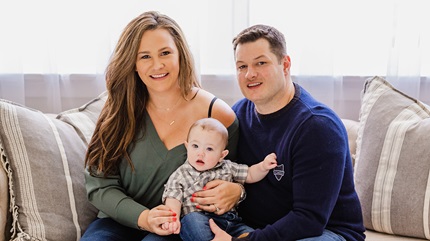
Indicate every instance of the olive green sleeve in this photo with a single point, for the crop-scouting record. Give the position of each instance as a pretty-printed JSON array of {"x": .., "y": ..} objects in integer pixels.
[{"x": 108, "y": 196}]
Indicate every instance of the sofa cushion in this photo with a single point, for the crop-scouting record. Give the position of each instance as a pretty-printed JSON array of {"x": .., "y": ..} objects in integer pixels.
[
  {"x": 44, "y": 160},
  {"x": 393, "y": 161},
  {"x": 377, "y": 236}
]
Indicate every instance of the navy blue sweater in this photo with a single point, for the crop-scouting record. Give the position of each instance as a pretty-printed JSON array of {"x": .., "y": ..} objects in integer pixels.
[{"x": 312, "y": 187}]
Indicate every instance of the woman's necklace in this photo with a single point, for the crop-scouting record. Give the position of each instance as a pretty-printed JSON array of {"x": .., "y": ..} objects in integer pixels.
[{"x": 169, "y": 109}]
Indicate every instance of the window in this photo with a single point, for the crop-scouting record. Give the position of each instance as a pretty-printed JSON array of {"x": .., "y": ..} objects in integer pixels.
[{"x": 333, "y": 37}]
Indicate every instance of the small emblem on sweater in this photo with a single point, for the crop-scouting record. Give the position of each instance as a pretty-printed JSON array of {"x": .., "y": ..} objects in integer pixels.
[{"x": 279, "y": 172}]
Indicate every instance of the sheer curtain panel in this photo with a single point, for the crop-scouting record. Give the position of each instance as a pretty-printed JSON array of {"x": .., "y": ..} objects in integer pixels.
[{"x": 51, "y": 50}]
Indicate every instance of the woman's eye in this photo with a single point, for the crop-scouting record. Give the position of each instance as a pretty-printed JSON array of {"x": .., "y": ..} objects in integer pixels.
[
  {"x": 165, "y": 53},
  {"x": 145, "y": 57}
]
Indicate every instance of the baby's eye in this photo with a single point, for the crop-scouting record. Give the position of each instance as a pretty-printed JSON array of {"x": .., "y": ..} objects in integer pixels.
[
  {"x": 209, "y": 149},
  {"x": 195, "y": 146}
]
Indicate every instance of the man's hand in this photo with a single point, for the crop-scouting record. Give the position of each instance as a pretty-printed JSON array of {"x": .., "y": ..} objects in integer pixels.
[{"x": 220, "y": 235}]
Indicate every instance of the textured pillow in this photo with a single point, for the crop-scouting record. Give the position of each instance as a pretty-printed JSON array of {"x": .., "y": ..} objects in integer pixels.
[
  {"x": 84, "y": 118},
  {"x": 393, "y": 161},
  {"x": 44, "y": 160}
]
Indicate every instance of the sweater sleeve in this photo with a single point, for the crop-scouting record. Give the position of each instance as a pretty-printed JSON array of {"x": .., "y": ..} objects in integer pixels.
[{"x": 107, "y": 195}]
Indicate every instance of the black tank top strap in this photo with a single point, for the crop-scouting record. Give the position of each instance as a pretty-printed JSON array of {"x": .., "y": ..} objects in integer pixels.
[{"x": 210, "y": 106}]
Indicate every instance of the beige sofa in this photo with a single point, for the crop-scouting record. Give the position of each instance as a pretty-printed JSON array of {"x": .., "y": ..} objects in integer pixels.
[{"x": 42, "y": 194}]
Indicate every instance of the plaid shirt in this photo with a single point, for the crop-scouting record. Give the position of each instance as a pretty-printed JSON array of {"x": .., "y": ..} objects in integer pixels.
[{"x": 186, "y": 180}]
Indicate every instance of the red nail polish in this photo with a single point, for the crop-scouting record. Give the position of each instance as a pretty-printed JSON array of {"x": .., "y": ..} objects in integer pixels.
[
  {"x": 198, "y": 206},
  {"x": 174, "y": 219},
  {"x": 174, "y": 214},
  {"x": 193, "y": 195},
  {"x": 192, "y": 199},
  {"x": 204, "y": 188}
]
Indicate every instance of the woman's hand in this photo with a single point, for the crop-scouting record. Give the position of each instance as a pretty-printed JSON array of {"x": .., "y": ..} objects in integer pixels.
[
  {"x": 217, "y": 197},
  {"x": 153, "y": 219}
]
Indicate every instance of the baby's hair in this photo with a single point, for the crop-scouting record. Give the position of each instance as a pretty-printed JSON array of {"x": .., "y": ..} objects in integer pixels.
[{"x": 211, "y": 124}]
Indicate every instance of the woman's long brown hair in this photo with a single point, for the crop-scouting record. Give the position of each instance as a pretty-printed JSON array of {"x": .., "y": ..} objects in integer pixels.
[{"x": 122, "y": 117}]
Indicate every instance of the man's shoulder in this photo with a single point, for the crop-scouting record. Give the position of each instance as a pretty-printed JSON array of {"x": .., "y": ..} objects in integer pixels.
[{"x": 241, "y": 105}]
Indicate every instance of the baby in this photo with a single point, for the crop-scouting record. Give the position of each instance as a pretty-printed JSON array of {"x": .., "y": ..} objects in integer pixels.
[{"x": 206, "y": 150}]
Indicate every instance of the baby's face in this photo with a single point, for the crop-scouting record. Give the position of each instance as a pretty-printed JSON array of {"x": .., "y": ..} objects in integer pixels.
[{"x": 204, "y": 149}]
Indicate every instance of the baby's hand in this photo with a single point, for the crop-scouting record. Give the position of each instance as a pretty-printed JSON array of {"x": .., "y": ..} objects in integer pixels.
[
  {"x": 173, "y": 227},
  {"x": 270, "y": 161}
]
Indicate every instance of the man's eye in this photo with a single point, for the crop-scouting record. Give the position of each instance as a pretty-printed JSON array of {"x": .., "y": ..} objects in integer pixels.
[
  {"x": 261, "y": 63},
  {"x": 241, "y": 67}
]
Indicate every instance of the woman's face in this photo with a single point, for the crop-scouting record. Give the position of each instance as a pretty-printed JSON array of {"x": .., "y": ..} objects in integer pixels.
[{"x": 157, "y": 61}]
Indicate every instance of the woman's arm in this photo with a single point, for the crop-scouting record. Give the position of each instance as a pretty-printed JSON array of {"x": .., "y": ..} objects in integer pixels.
[{"x": 109, "y": 197}]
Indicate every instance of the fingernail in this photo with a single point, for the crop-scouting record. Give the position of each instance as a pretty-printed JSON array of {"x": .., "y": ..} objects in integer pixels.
[
  {"x": 204, "y": 188},
  {"x": 174, "y": 219},
  {"x": 192, "y": 199},
  {"x": 198, "y": 206},
  {"x": 193, "y": 195},
  {"x": 174, "y": 214}
]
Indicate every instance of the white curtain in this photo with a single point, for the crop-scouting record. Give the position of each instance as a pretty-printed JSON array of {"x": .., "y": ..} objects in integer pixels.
[{"x": 53, "y": 53}]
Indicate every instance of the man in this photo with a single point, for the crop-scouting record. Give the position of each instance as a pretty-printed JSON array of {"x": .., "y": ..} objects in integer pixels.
[{"x": 310, "y": 195}]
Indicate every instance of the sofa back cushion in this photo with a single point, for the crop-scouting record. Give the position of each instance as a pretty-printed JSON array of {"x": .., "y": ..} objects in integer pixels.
[
  {"x": 393, "y": 161},
  {"x": 44, "y": 160}
]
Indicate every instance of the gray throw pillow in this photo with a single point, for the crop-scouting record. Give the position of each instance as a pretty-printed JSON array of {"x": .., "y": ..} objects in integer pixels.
[
  {"x": 393, "y": 161},
  {"x": 44, "y": 160}
]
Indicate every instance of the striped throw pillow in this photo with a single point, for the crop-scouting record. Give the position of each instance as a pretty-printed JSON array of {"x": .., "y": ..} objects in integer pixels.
[
  {"x": 392, "y": 171},
  {"x": 84, "y": 118},
  {"x": 43, "y": 158}
]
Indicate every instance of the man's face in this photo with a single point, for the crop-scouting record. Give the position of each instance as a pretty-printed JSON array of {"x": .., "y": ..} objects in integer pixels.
[{"x": 262, "y": 77}]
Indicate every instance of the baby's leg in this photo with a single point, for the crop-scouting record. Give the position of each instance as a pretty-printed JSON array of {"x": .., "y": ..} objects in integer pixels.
[{"x": 195, "y": 226}]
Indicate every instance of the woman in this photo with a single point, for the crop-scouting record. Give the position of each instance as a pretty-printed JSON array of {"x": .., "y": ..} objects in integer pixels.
[{"x": 154, "y": 97}]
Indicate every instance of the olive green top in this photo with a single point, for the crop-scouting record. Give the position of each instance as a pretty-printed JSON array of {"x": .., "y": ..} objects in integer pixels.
[{"x": 123, "y": 197}]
